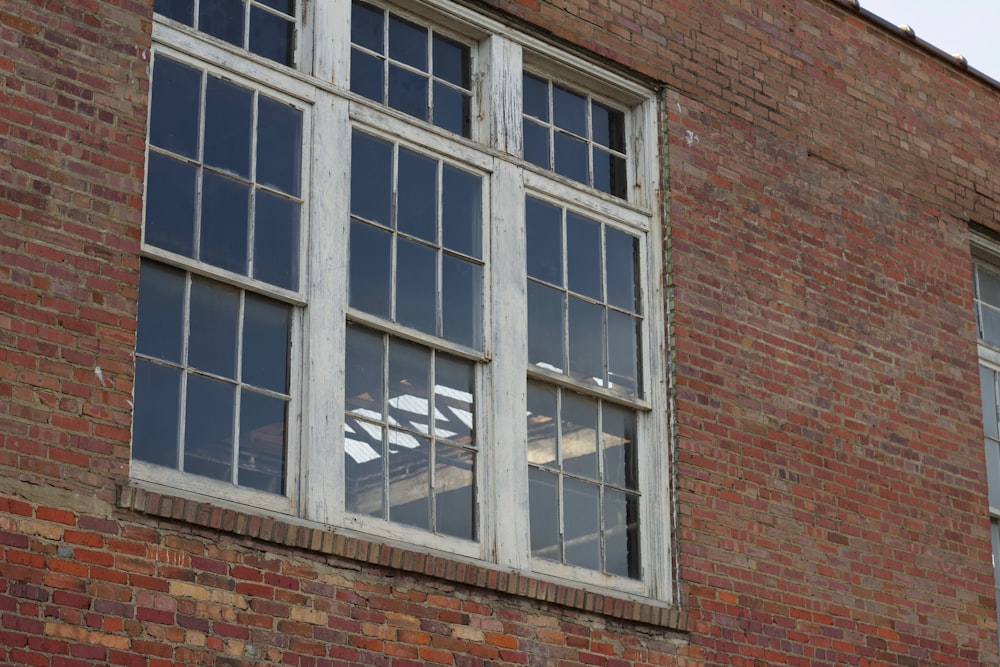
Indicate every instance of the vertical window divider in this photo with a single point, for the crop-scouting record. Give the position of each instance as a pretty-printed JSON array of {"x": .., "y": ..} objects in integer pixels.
[{"x": 238, "y": 389}]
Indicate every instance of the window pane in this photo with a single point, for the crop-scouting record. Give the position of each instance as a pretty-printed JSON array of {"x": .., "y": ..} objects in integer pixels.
[
  {"x": 416, "y": 295},
  {"x": 214, "y": 324},
  {"x": 988, "y": 286},
  {"x": 461, "y": 301},
  {"x": 371, "y": 179},
  {"x": 276, "y": 240},
  {"x": 366, "y": 75},
  {"x": 578, "y": 444},
  {"x": 543, "y": 502},
  {"x": 462, "y": 216},
  {"x": 409, "y": 381},
  {"x": 608, "y": 127},
  {"x": 228, "y": 118},
  {"x": 225, "y": 212},
  {"x": 618, "y": 441},
  {"x": 571, "y": 157},
  {"x": 157, "y": 413},
  {"x": 545, "y": 327},
  {"x": 582, "y": 523},
  {"x": 417, "y": 195},
  {"x": 536, "y": 97},
  {"x": 279, "y": 146},
  {"x": 370, "y": 271},
  {"x": 536, "y": 144},
  {"x": 272, "y": 36},
  {"x": 454, "y": 498},
  {"x": 541, "y": 425},
  {"x": 408, "y": 92},
  {"x": 161, "y": 312},
  {"x": 407, "y": 43},
  {"x": 451, "y": 109},
  {"x": 622, "y": 252},
  {"x": 409, "y": 479},
  {"x": 222, "y": 19},
  {"x": 178, "y": 10},
  {"x": 363, "y": 473},
  {"x": 286, "y": 6},
  {"x": 586, "y": 340},
  {"x": 609, "y": 174},
  {"x": 621, "y": 533},
  {"x": 170, "y": 204},
  {"x": 364, "y": 373},
  {"x": 451, "y": 61},
  {"x": 991, "y": 325},
  {"x": 266, "y": 330},
  {"x": 583, "y": 256},
  {"x": 454, "y": 409},
  {"x": 544, "y": 241},
  {"x": 263, "y": 433},
  {"x": 623, "y": 353},
  {"x": 987, "y": 383},
  {"x": 366, "y": 26},
  {"x": 174, "y": 107},
  {"x": 993, "y": 471},
  {"x": 208, "y": 429},
  {"x": 569, "y": 111}
]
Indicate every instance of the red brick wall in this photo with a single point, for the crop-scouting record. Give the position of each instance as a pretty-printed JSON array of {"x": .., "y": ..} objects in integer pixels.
[{"x": 831, "y": 497}]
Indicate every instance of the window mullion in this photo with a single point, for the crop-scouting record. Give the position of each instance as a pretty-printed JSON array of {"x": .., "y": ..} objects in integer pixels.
[
  {"x": 331, "y": 41},
  {"x": 499, "y": 98}
]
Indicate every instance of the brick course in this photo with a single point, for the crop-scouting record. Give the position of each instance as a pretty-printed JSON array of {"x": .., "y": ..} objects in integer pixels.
[{"x": 821, "y": 175}]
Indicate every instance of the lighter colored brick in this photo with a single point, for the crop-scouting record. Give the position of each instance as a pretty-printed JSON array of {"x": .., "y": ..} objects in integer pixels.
[
  {"x": 187, "y": 590},
  {"x": 307, "y": 615}
]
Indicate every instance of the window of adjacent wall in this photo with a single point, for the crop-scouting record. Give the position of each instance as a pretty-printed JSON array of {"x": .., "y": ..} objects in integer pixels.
[{"x": 376, "y": 296}]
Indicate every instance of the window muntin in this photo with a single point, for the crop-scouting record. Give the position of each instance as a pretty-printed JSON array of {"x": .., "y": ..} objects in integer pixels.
[
  {"x": 410, "y": 68},
  {"x": 264, "y": 27},
  {"x": 574, "y": 135}
]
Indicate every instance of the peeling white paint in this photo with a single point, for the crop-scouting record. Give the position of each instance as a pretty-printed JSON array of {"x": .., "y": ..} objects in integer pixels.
[
  {"x": 100, "y": 376},
  {"x": 691, "y": 138}
]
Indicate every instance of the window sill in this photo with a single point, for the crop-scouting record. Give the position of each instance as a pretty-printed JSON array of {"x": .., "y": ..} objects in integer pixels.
[{"x": 327, "y": 541}]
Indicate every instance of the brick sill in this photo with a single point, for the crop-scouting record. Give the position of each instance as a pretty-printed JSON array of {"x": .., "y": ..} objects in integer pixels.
[{"x": 326, "y": 541}]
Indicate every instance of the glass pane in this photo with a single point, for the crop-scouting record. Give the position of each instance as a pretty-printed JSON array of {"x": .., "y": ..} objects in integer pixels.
[
  {"x": 160, "y": 325},
  {"x": 451, "y": 109},
  {"x": 409, "y": 480},
  {"x": 228, "y": 118},
  {"x": 370, "y": 271},
  {"x": 578, "y": 444},
  {"x": 991, "y": 325},
  {"x": 364, "y": 373},
  {"x": 178, "y": 10},
  {"x": 416, "y": 286},
  {"x": 541, "y": 425},
  {"x": 225, "y": 213},
  {"x": 461, "y": 301},
  {"x": 408, "y": 92},
  {"x": 608, "y": 127},
  {"x": 582, "y": 523},
  {"x": 407, "y": 43},
  {"x": 276, "y": 240},
  {"x": 286, "y": 6},
  {"x": 987, "y": 384},
  {"x": 618, "y": 441},
  {"x": 544, "y": 232},
  {"x": 988, "y": 286},
  {"x": 366, "y": 75},
  {"x": 174, "y": 107},
  {"x": 279, "y": 146},
  {"x": 367, "y": 27},
  {"x": 543, "y": 504},
  {"x": 536, "y": 144},
  {"x": 536, "y": 97},
  {"x": 222, "y": 19},
  {"x": 170, "y": 204},
  {"x": 623, "y": 353},
  {"x": 586, "y": 341},
  {"x": 621, "y": 533},
  {"x": 272, "y": 36},
  {"x": 571, "y": 157},
  {"x": 416, "y": 212},
  {"x": 214, "y": 323},
  {"x": 583, "y": 256},
  {"x": 157, "y": 413},
  {"x": 371, "y": 179},
  {"x": 266, "y": 325},
  {"x": 208, "y": 429},
  {"x": 363, "y": 473},
  {"x": 545, "y": 327},
  {"x": 454, "y": 390},
  {"x": 995, "y": 534},
  {"x": 263, "y": 433},
  {"x": 451, "y": 61},
  {"x": 454, "y": 499},
  {"x": 622, "y": 252},
  {"x": 409, "y": 381},
  {"x": 609, "y": 174},
  {"x": 569, "y": 111},
  {"x": 993, "y": 471},
  {"x": 461, "y": 215}
]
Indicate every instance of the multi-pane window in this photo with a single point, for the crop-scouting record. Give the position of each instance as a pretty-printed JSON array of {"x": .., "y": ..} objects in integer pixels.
[{"x": 349, "y": 315}]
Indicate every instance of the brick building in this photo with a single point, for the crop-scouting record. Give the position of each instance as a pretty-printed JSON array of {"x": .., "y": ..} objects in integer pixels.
[{"x": 706, "y": 289}]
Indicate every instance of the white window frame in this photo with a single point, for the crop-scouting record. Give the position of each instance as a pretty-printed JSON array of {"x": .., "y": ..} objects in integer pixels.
[{"x": 315, "y": 462}]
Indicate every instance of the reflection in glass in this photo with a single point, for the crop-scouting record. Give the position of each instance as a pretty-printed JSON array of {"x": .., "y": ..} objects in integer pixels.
[
  {"x": 407, "y": 92},
  {"x": 416, "y": 286},
  {"x": 371, "y": 182},
  {"x": 543, "y": 504},
  {"x": 545, "y": 327},
  {"x": 272, "y": 36},
  {"x": 408, "y": 382},
  {"x": 544, "y": 241},
  {"x": 266, "y": 329},
  {"x": 225, "y": 212},
  {"x": 228, "y": 119},
  {"x": 461, "y": 217},
  {"x": 363, "y": 473},
  {"x": 461, "y": 301},
  {"x": 454, "y": 391},
  {"x": 263, "y": 433},
  {"x": 208, "y": 428},
  {"x": 409, "y": 480},
  {"x": 214, "y": 323},
  {"x": 279, "y": 146},
  {"x": 454, "y": 498},
  {"x": 173, "y": 119},
  {"x": 417, "y": 195},
  {"x": 582, "y": 523},
  {"x": 541, "y": 425},
  {"x": 370, "y": 271},
  {"x": 578, "y": 441},
  {"x": 222, "y": 19},
  {"x": 618, "y": 441},
  {"x": 156, "y": 415},
  {"x": 276, "y": 240},
  {"x": 583, "y": 255},
  {"x": 621, "y": 533},
  {"x": 622, "y": 252},
  {"x": 364, "y": 371},
  {"x": 170, "y": 187},
  {"x": 586, "y": 340},
  {"x": 623, "y": 353},
  {"x": 161, "y": 312}
]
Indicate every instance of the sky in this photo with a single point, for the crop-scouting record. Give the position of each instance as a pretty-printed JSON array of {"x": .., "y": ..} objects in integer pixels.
[{"x": 968, "y": 27}]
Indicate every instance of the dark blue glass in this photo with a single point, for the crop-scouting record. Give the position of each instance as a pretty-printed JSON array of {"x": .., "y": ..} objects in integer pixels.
[
  {"x": 157, "y": 413},
  {"x": 266, "y": 326},
  {"x": 228, "y": 119},
  {"x": 571, "y": 157},
  {"x": 536, "y": 144},
  {"x": 416, "y": 193},
  {"x": 462, "y": 214},
  {"x": 451, "y": 61},
  {"x": 407, "y": 43},
  {"x": 610, "y": 174},
  {"x": 586, "y": 340},
  {"x": 174, "y": 106},
  {"x": 451, "y": 109},
  {"x": 544, "y": 232},
  {"x": 263, "y": 433},
  {"x": 583, "y": 255},
  {"x": 208, "y": 429},
  {"x": 366, "y": 75},
  {"x": 416, "y": 281},
  {"x": 536, "y": 97},
  {"x": 367, "y": 26},
  {"x": 178, "y": 10},
  {"x": 160, "y": 326},
  {"x": 279, "y": 146},
  {"x": 225, "y": 212},
  {"x": 408, "y": 92},
  {"x": 569, "y": 111},
  {"x": 546, "y": 327},
  {"x": 608, "y": 127},
  {"x": 364, "y": 371},
  {"x": 276, "y": 240},
  {"x": 214, "y": 322},
  {"x": 622, "y": 252},
  {"x": 370, "y": 269},
  {"x": 371, "y": 179},
  {"x": 170, "y": 187},
  {"x": 461, "y": 297},
  {"x": 222, "y": 19},
  {"x": 272, "y": 36}
]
